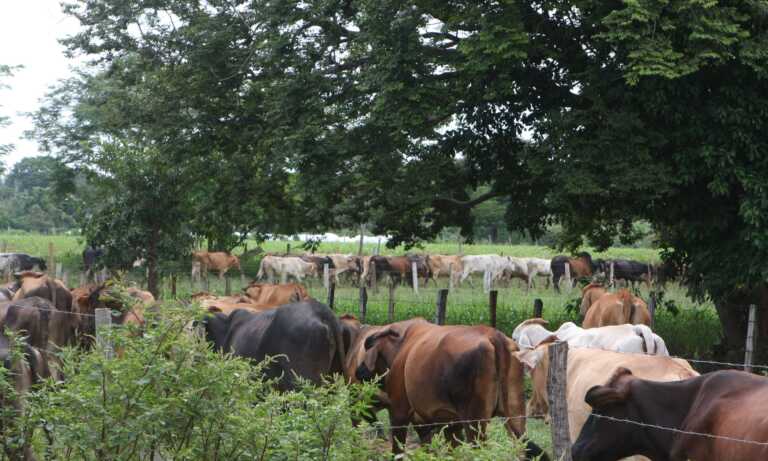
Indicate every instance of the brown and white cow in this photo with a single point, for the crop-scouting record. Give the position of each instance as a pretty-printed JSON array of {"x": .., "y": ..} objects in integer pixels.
[
  {"x": 218, "y": 261},
  {"x": 729, "y": 405},
  {"x": 589, "y": 367},
  {"x": 617, "y": 309},
  {"x": 446, "y": 374}
]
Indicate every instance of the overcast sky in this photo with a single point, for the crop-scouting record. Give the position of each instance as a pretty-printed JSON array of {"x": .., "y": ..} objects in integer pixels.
[{"x": 29, "y": 33}]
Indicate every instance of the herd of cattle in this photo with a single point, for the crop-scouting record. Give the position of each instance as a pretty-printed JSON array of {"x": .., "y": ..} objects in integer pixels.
[
  {"x": 452, "y": 378},
  {"x": 400, "y": 269}
]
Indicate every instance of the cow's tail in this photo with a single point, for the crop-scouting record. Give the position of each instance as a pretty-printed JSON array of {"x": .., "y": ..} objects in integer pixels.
[{"x": 649, "y": 341}]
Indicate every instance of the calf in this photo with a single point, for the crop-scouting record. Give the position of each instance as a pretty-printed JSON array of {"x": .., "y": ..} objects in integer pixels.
[
  {"x": 446, "y": 375},
  {"x": 729, "y": 405}
]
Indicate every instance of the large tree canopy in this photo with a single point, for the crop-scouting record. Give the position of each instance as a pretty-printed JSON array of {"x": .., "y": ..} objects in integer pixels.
[{"x": 290, "y": 115}]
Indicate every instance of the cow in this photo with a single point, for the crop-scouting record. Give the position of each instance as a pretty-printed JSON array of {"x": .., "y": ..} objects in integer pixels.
[
  {"x": 538, "y": 267},
  {"x": 590, "y": 294},
  {"x": 637, "y": 339},
  {"x": 228, "y": 304},
  {"x": 216, "y": 261},
  {"x": 126, "y": 309},
  {"x": 729, "y": 406},
  {"x": 18, "y": 262},
  {"x": 397, "y": 268},
  {"x": 279, "y": 267},
  {"x": 262, "y": 293},
  {"x": 616, "y": 309},
  {"x": 449, "y": 266},
  {"x": 8, "y": 290},
  {"x": 38, "y": 284},
  {"x": 343, "y": 264},
  {"x": 589, "y": 367},
  {"x": 581, "y": 267},
  {"x": 631, "y": 271},
  {"x": 494, "y": 264},
  {"x": 446, "y": 375},
  {"x": 304, "y": 339},
  {"x": 40, "y": 321},
  {"x": 320, "y": 262}
]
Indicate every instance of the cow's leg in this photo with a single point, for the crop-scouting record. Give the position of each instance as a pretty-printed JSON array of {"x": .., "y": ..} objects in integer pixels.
[
  {"x": 399, "y": 433},
  {"x": 454, "y": 433},
  {"x": 556, "y": 282}
]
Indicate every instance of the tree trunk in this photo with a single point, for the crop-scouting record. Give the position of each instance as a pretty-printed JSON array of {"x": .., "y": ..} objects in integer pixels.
[{"x": 152, "y": 259}]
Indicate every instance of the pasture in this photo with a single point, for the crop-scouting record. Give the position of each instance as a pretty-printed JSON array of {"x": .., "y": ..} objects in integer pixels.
[{"x": 690, "y": 330}]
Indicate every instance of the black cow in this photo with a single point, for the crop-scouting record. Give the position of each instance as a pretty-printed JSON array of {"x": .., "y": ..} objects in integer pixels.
[
  {"x": 630, "y": 271},
  {"x": 91, "y": 258},
  {"x": 17, "y": 262},
  {"x": 305, "y": 338}
]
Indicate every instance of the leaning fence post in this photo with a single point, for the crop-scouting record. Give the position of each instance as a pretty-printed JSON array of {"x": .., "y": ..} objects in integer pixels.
[
  {"x": 568, "y": 275},
  {"x": 363, "y": 302},
  {"x": 331, "y": 293},
  {"x": 326, "y": 275},
  {"x": 415, "y": 277},
  {"x": 492, "y": 300},
  {"x": 538, "y": 308},
  {"x": 391, "y": 301},
  {"x": 750, "y": 347},
  {"x": 442, "y": 306},
  {"x": 558, "y": 405},
  {"x": 103, "y": 324}
]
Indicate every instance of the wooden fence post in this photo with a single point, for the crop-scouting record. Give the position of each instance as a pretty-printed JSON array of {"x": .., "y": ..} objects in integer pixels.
[
  {"x": 206, "y": 282},
  {"x": 450, "y": 276},
  {"x": 59, "y": 270},
  {"x": 331, "y": 293},
  {"x": 227, "y": 286},
  {"x": 442, "y": 306},
  {"x": 287, "y": 248},
  {"x": 378, "y": 247},
  {"x": 104, "y": 323},
  {"x": 492, "y": 300},
  {"x": 415, "y": 277},
  {"x": 750, "y": 346},
  {"x": 173, "y": 285},
  {"x": 65, "y": 279},
  {"x": 373, "y": 275},
  {"x": 363, "y": 302},
  {"x": 538, "y": 308},
  {"x": 326, "y": 275},
  {"x": 558, "y": 405},
  {"x": 652, "y": 308},
  {"x": 362, "y": 240},
  {"x": 568, "y": 275},
  {"x": 391, "y": 302},
  {"x": 487, "y": 281},
  {"x": 611, "y": 282},
  {"x": 51, "y": 261}
]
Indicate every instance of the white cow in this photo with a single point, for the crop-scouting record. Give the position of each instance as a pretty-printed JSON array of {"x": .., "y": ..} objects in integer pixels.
[
  {"x": 537, "y": 267},
  {"x": 283, "y": 267},
  {"x": 342, "y": 263},
  {"x": 637, "y": 339},
  {"x": 494, "y": 264}
]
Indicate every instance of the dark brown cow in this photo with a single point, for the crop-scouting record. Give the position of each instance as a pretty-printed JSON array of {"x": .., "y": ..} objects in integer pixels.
[
  {"x": 276, "y": 294},
  {"x": 727, "y": 404},
  {"x": 446, "y": 374},
  {"x": 38, "y": 284},
  {"x": 218, "y": 261}
]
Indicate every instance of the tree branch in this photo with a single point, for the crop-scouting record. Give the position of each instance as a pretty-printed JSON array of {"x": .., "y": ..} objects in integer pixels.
[{"x": 470, "y": 203}]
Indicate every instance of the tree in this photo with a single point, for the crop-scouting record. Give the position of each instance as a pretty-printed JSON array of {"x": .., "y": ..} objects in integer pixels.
[{"x": 5, "y": 72}]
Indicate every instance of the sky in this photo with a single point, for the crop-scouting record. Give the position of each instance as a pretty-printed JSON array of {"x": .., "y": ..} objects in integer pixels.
[{"x": 29, "y": 33}]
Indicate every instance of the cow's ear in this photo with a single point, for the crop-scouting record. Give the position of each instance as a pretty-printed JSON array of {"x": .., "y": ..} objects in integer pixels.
[
  {"x": 530, "y": 357},
  {"x": 601, "y": 396},
  {"x": 371, "y": 340}
]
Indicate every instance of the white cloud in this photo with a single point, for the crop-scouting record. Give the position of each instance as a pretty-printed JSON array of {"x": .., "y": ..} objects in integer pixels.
[{"x": 29, "y": 33}]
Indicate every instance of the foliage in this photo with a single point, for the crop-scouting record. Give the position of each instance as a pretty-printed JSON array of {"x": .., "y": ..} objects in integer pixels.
[{"x": 5, "y": 72}]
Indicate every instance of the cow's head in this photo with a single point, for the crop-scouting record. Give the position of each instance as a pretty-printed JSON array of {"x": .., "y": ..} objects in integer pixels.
[
  {"x": 380, "y": 349},
  {"x": 603, "y": 439}
]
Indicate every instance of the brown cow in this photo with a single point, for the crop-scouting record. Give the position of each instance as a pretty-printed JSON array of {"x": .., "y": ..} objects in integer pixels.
[
  {"x": 127, "y": 308},
  {"x": 228, "y": 304},
  {"x": 449, "y": 266},
  {"x": 38, "y": 284},
  {"x": 446, "y": 374},
  {"x": 276, "y": 294},
  {"x": 617, "y": 309},
  {"x": 216, "y": 261},
  {"x": 590, "y": 294},
  {"x": 729, "y": 405}
]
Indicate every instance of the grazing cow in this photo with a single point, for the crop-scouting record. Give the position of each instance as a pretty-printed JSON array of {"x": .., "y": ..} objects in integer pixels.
[
  {"x": 16, "y": 262},
  {"x": 39, "y": 284},
  {"x": 538, "y": 267},
  {"x": 494, "y": 264},
  {"x": 397, "y": 268},
  {"x": 449, "y": 266},
  {"x": 590, "y": 294},
  {"x": 589, "y": 367},
  {"x": 730, "y": 405},
  {"x": 319, "y": 262},
  {"x": 39, "y": 320},
  {"x": 516, "y": 268},
  {"x": 286, "y": 293},
  {"x": 616, "y": 309},
  {"x": 303, "y": 338},
  {"x": 581, "y": 267},
  {"x": 375, "y": 265},
  {"x": 216, "y": 261},
  {"x": 229, "y": 304},
  {"x": 631, "y": 271},
  {"x": 280, "y": 267},
  {"x": 636, "y": 339},
  {"x": 446, "y": 375},
  {"x": 343, "y": 264}
]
